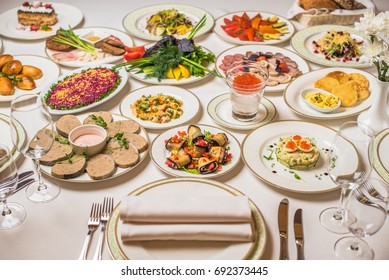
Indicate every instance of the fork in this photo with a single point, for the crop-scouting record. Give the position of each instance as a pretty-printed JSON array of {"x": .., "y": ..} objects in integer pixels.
[
  {"x": 93, "y": 224},
  {"x": 371, "y": 190},
  {"x": 362, "y": 198},
  {"x": 104, "y": 217}
]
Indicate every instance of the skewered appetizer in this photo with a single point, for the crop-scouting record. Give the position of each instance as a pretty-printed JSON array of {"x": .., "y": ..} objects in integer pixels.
[{"x": 198, "y": 152}]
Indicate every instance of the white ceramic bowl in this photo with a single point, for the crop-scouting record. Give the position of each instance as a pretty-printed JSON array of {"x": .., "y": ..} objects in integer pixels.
[
  {"x": 310, "y": 105},
  {"x": 98, "y": 35},
  {"x": 84, "y": 131}
]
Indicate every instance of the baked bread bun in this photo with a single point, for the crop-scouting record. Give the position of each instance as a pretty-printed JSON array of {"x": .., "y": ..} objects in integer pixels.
[{"x": 318, "y": 4}]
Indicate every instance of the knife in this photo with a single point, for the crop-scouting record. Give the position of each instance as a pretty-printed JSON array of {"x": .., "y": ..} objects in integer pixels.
[
  {"x": 24, "y": 184},
  {"x": 298, "y": 233},
  {"x": 25, "y": 175},
  {"x": 283, "y": 228}
]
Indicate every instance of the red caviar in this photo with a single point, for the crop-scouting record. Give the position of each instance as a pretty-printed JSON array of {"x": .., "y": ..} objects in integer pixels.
[{"x": 246, "y": 79}]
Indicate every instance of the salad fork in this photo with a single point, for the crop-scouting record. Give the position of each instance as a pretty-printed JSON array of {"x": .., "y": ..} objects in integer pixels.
[
  {"x": 104, "y": 217},
  {"x": 93, "y": 224}
]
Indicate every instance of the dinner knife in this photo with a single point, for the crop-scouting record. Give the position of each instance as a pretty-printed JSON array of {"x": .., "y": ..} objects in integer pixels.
[
  {"x": 283, "y": 228},
  {"x": 298, "y": 233},
  {"x": 25, "y": 175},
  {"x": 24, "y": 184}
]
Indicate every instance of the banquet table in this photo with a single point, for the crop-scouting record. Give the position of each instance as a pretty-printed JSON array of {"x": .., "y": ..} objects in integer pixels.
[{"x": 56, "y": 230}]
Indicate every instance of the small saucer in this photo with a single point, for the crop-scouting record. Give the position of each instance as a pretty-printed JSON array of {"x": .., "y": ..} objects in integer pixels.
[{"x": 220, "y": 110}]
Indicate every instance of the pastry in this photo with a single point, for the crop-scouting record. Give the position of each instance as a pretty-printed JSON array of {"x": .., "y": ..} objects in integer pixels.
[{"x": 36, "y": 14}]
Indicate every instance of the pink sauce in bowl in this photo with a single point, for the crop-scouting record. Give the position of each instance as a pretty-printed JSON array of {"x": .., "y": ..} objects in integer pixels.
[{"x": 88, "y": 140}]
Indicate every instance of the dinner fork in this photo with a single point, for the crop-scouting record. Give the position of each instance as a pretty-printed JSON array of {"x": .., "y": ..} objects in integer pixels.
[
  {"x": 362, "y": 198},
  {"x": 104, "y": 217},
  {"x": 93, "y": 224},
  {"x": 371, "y": 190}
]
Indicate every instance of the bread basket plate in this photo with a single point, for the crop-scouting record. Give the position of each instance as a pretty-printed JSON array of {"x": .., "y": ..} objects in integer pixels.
[
  {"x": 136, "y": 21},
  {"x": 222, "y": 34},
  {"x": 159, "y": 153},
  {"x": 302, "y": 44},
  {"x": 186, "y": 250},
  {"x": 78, "y": 58},
  {"x": 190, "y": 106},
  {"x": 68, "y": 16},
  {"x": 50, "y": 71},
  {"x": 84, "y": 177}
]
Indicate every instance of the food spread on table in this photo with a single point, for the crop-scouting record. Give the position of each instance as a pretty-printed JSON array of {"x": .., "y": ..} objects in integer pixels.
[
  {"x": 197, "y": 152},
  {"x": 159, "y": 108},
  {"x": 169, "y": 22},
  {"x": 37, "y": 16}
]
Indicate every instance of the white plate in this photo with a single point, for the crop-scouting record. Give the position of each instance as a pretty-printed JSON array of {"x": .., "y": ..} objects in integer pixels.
[
  {"x": 313, "y": 180},
  {"x": 107, "y": 58},
  {"x": 84, "y": 178},
  {"x": 159, "y": 154},
  {"x": 136, "y": 21},
  {"x": 222, "y": 34},
  {"x": 190, "y": 107},
  {"x": 122, "y": 73},
  {"x": 302, "y": 43},
  {"x": 172, "y": 82},
  {"x": 293, "y": 90},
  {"x": 302, "y": 64},
  {"x": 67, "y": 16},
  {"x": 220, "y": 110},
  {"x": 380, "y": 154},
  {"x": 50, "y": 72},
  {"x": 5, "y": 124},
  {"x": 185, "y": 250}
]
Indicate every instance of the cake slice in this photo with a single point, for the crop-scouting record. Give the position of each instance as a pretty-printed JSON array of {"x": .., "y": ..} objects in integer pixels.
[{"x": 37, "y": 14}]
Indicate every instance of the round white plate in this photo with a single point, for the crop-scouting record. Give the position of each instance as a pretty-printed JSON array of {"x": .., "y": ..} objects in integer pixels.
[
  {"x": 190, "y": 107},
  {"x": 122, "y": 73},
  {"x": 67, "y": 16},
  {"x": 293, "y": 90},
  {"x": 380, "y": 154},
  {"x": 159, "y": 154},
  {"x": 50, "y": 70},
  {"x": 173, "y": 82},
  {"x": 302, "y": 64},
  {"x": 185, "y": 250},
  {"x": 220, "y": 110},
  {"x": 84, "y": 178},
  {"x": 313, "y": 180},
  {"x": 5, "y": 124},
  {"x": 136, "y": 21},
  {"x": 222, "y": 34},
  {"x": 103, "y": 58},
  {"x": 302, "y": 43}
]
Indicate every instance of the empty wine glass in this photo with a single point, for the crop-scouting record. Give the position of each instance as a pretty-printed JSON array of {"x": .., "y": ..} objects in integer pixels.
[
  {"x": 32, "y": 113},
  {"x": 12, "y": 214},
  {"x": 364, "y": 215},
  {"x": 348, "y": 165}
]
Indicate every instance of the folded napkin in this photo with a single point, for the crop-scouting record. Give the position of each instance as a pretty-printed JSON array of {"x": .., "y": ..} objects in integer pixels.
[{"x": 226, "y": 218}]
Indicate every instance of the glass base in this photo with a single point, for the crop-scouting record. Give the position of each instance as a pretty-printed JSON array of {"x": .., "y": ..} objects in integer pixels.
[
  {"x": 352, "y": 248},
  {"x": 17, "y": 216},
  {"x": 38, "y": 194},
  {"x": 332, "y": 223},
  {"x": 244, "y": 117}
]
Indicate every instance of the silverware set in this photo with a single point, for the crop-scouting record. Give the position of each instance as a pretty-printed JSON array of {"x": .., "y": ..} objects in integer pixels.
[
  {"x": 99, "y": 215},
  {"x": 23, "y": 181},
  {"x": 283, "y": 230}
]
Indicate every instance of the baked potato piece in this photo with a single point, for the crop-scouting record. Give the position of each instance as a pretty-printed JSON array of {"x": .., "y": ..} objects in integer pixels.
[
  {"x": 13, "y": 67},
  {"x": 24, "y": 82},
  {"x": 4, "y": 59},
  {"x": 6, "y": 86},
  {"x": 32, "y": 71}
]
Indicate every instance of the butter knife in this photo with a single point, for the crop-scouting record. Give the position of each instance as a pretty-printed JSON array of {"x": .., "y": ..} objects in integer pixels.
[
  {"x": 298, "y": 233},
  {"x": 283, "y": 228}
]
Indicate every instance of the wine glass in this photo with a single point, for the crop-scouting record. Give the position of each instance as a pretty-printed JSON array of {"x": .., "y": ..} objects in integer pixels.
[
  {"x": 364, "y": 215},
  {"x": 32, "y": 113},
  {"x": 348, "y": 165},
  {"x": 12, "y": 214}
]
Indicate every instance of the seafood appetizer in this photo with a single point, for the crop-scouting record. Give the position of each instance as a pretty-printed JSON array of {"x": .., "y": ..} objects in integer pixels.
[
  {"x": 198, "y": 152},
  {"x": 297, "y": 152}
]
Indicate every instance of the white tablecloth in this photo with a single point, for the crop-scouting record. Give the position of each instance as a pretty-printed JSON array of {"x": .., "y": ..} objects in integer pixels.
[{"x": 56, "y": 230}]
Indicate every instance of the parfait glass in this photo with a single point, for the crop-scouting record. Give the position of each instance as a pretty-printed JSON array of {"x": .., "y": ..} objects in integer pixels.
[
  {"x": 32, "y": 113},
  {"x": 12, "y": 214},
  {"x": 349, "y": 166},
  {"x": 364, "y": 215}
]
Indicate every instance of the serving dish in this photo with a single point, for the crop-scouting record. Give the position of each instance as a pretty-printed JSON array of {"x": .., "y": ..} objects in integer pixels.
[
  {"x": 135, "y": 22},
  {"x": 326, "y": 94},
  {"x": 200, "y": 250},
  {"x": 380, "y": 153}
]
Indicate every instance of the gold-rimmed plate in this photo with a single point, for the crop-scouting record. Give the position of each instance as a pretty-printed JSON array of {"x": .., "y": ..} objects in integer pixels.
[
  {"x": 49, "y": 69},
  {"x": 380, "y": 154},
  {"x": 258, "y": 153},
  {"x": 200, "y": 250},
  {"x": 84, "y": 178}
]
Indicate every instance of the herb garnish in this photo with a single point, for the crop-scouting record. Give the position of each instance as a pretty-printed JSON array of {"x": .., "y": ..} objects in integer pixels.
[
  {"x": 99, "y": 121},
  {"x": 123, "y": 142}
]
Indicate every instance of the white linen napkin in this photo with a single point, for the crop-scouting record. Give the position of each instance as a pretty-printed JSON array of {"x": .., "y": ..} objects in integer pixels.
[{"x": 216, "y": 218}]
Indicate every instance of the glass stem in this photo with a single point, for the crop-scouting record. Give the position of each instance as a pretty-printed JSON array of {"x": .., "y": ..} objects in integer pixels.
[
  {"x": 354, "y": 246},
  {"x": 339, "y": 211},
  {"x": 42, "y": 185},
  {"x": 6, "y": 210}
]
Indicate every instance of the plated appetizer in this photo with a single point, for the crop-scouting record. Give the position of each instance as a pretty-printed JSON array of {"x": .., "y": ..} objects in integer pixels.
[
  {"x": 123, "y": 147},
  {"x": 169, "y": 22},
  {"x": 198, "y": 152},
  {"x": 37, "y": 16}
]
